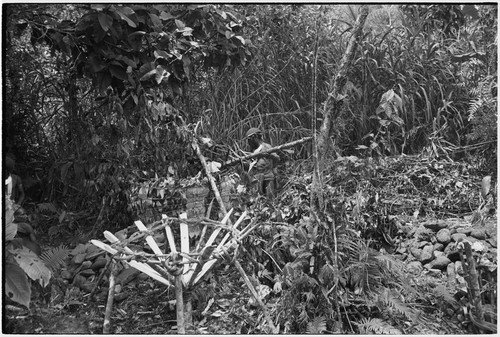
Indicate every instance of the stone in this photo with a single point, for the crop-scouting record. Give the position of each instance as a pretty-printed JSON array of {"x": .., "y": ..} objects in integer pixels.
[
  {"x": 443, "y": 236},
  {"x": 441, "y": 262},
  {"x": 478, "y": 233},
  {"x": 79, "y": 280},
  {"x": 479, "y": 246},
  {"x": 450, "y": 272},
  {"x": 434, "y": 272},
  {"x": 457, "y": 237},
  {"x": 127, "y": 275},
  {"x": 493, "y": 242},
  {"x": 435, "y": 226},
  {"x": 401, "y": 250},
  {"x": 65, "y": 274},
  {"x": 472, "y": 239},
  {"x": 99, "y": 263},
  {"x": 465, "y": 231},
  {"x": 86, "y": 265},
  {"x": 121, "y": 296},
  {"x": 437, "y": 253},
  {"x": 439, "y": 246},
  {"x": 421, "y": 244},
  {"x": 87, "y": 286},
  {"x": 414, "y": 267},
  {"x": 79, "y": 258},
  {"x": 459, "y": 268},
  {"x": 142, "y": 277},
  {"x": 87, "y": 272},
  {"x": 491, "y": 231},
  {"x": 416, "y": 252},
  {"x": 427, "y": 254}
]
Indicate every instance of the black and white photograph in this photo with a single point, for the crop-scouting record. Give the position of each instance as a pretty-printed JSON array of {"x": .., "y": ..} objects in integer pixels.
[{"x": 265, "y": 168}]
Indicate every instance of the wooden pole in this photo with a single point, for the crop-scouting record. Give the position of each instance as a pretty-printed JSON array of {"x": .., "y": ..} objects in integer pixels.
[
  {"x": 210, "y": 177},
  {"x": 179, "y": 304},
  {"x": 255, "y": 295},
  {"x": 264, "y": 153},
  {"x": 111, "y": 297}
]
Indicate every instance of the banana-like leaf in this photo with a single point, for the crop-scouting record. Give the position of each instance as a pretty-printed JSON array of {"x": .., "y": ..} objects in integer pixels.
[
  {"x": 32, "y": 265},
  {"x": 16, "y": 284}
]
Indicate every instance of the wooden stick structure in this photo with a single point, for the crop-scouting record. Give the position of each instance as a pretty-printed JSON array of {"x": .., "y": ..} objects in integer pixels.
[{"x": 180, "y": 266}]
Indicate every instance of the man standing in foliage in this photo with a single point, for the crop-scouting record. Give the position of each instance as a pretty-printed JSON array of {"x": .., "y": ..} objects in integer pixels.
[
  {"x": 263, "y": 169},
  {"x": 14, "y": 183}
]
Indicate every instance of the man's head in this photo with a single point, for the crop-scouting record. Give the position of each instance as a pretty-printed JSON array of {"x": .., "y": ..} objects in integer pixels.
[
  {"x": 9, "y": 165},
  {"x": 254, "y": 137}
]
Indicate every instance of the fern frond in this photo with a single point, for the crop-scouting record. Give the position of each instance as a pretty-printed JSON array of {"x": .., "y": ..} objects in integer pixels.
[
  {"x": 391, "y": 298},
  {"x": 316, "y": 326},
  {"x": 442, "y": 292},
  {"x": 303, "y": 317},
  {"x": 55, "y": 257},
  {"x": 377, "y": 326}
]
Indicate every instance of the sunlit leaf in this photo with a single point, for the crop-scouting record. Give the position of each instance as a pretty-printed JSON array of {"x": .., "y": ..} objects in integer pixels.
[
  {"x": 179, "y": 24},
  {"x": 123, "y": 12},
  {"x": 16, "y": 284},
  {"x": 485, "y": 186},
  {"x": 32, "y": 265}
]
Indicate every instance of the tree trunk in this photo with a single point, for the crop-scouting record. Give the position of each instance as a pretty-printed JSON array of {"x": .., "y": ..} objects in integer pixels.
[{"x": 333, "y": 104}]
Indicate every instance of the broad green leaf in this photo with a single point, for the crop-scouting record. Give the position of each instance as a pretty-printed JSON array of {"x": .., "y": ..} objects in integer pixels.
[
  {"x": 179, "y": 24},
  {"x": 242, "y": 40},
  {"x": 16, "y": 284},
  {"x": 123, "y": 12},
  {"x": 161, "y": 74},
  {"x": 166, "y": 16},
  {"x": 155, "y": 20},
  {"x": 105, "y": 21},
  {"x": 186, "y": 63},
  {"x": 485, "y": 186},
  {"x": 188, "y": 31},
  {"x": 148, "y": 75},
  {"x": 162, "y": 54},
  {"x": 32, "y": 266},
  {"x": 10, "y": 229},
  {"x": 222, "y": 13},
  {"x": 213, "y": 166}
]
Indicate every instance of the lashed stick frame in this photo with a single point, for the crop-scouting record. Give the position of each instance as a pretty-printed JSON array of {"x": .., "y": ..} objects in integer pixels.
[{"x": 178, "y": 266}]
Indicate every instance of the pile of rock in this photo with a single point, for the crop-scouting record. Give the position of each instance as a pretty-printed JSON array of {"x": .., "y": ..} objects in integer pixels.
[
  {"x": 433, "y": 247},
  {"x": 79, "y": 277}
]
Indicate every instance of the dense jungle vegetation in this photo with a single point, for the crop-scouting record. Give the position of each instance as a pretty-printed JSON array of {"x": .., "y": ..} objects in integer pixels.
[{"x": 385, "y": 215}]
